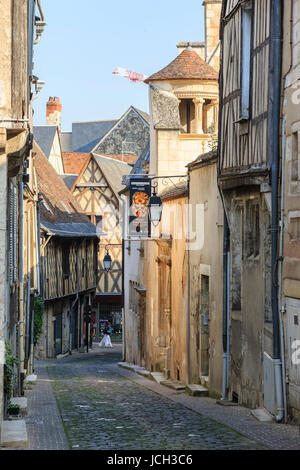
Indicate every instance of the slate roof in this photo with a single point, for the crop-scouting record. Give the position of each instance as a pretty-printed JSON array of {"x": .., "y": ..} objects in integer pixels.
[
  {"x": 69, "y": 180},
  {"x": 113, "y": 171},
  {"x": 142, "y": 162},
  {"x": 44, "y": 136},
  {"x": 85, "y": 135},
  {"x": 144, "y": 115},
  {"x": 187, "y": 66},
  {"x": 74, "y": 162},
  {"x": 66, "y": 141},
  {"x": 56, "y": 197},
  {"x": 141, "y": 167}
]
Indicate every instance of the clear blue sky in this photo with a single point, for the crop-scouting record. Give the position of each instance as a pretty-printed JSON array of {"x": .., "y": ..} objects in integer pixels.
[{"x": 84, "y": 41}]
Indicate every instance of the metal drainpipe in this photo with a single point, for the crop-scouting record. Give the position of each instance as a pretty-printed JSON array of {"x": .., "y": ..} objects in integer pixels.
[
  {"x": 281, "y": 307},
  {"x": 38, "y": 231},
  {"x": 28, "y": 288},
  {"x": 225, "y": 309},
  {"x": 77, "y": 296},
  {"x": 21, "y": 298},
  {"x": 188, "y": 292},
  {"x": 276, "y": 88}
]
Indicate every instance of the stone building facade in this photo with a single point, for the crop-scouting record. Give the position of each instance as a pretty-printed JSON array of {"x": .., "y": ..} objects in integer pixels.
[
  {"x": 205, "y": 272},
  {"x": 17, "y": 187}
]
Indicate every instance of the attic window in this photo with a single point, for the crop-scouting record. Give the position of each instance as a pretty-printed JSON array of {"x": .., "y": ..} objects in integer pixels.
[
  {"x": 45, "y": 205},
  {"x": 65, "y": 207}
]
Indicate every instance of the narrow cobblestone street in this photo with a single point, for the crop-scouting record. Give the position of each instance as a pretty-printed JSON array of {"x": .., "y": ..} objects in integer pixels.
[{"x": 105, "y": 407}]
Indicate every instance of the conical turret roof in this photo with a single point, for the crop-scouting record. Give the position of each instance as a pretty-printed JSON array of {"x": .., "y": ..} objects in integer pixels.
[{"x": 187, "y": 66}]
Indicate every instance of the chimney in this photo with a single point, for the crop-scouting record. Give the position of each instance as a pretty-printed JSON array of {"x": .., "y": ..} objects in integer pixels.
[
  {"x": 212, "y": 31},
  {"x": 53, "y": 112}
]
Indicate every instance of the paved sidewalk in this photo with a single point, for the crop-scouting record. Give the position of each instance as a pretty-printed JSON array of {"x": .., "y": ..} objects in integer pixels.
[
  {"x": 272, "y": 435},
  {"x": 44, "y": 425}
]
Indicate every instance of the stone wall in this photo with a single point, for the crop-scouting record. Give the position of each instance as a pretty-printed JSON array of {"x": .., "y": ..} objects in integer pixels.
[
  {"x": 129, "y": 136},
  {"x": 291, "y": 266},
  {"x": 206, "y": 264}
]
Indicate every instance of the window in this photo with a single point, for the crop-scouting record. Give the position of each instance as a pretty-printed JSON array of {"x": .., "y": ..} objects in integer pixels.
[
  {"x": 246, "y": 60},
  {"x": 65, "y": 207},
  {"x": 252, "y": 235},
  {"x": 66, "y": 260}
]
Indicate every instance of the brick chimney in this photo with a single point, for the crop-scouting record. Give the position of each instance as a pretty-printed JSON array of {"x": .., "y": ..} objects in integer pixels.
[
  {"x": 53, "y": 112},
  {"x": 212, "y": 30}
]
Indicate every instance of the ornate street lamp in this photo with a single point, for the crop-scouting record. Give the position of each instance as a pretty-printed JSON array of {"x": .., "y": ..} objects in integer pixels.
[
  {"x": 155, "y": 208},
  {"x": 107, "y": 261}
]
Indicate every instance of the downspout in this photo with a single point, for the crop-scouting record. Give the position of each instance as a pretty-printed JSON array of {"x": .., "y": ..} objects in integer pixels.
[
  {"x": 281, "y": 307},
  {"x": 188, "y": 291},
  {"x": 21, "y": 298},
  {"x": 28, "y": 289},
  {"x": 225, "y": 308},
  {"x": 275, "y": 76},
  {"x": 76, "y": 298}
]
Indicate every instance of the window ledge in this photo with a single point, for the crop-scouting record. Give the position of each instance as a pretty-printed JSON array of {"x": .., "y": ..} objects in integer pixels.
[{"x": 195, "y": 136}]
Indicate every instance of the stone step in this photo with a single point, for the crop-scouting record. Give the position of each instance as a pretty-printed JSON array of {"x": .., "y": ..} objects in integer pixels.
[
  {"x": 142, "y": 371},
  {"x": 30, "y": 379},
  {"x": 126, "y": 365},
  {"x": 14, "y": 434},
  {"x": 157, "y": 376},
  {"x": 175, "y": 386},
  {"x": 22, "y": 403},
  {"x": 197, "y": 390},
  {"x": 261, "y": 414},
  {"x": 226, "y": 403}
]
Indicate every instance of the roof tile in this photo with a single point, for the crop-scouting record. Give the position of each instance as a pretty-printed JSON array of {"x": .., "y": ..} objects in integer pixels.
[{"x": 187, "y": 66}]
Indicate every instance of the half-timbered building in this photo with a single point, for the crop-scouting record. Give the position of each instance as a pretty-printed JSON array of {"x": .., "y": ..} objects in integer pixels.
[
  {"x": 69, "y": 246},
  {"x": 248, "y": 142},
  {"x": 96, "y": 191}
]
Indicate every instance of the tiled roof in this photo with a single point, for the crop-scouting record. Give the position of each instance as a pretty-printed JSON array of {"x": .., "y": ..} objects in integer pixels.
[
  {"x": 74, "y": 162},
  {"x": 203, "y": 159},
  {"x": 123, "y": 158},
  {"x": 187, "y": 66},
  {"x": 85, "y": 135},
  {"x": 44, "y": 136},
  {"x": 58, "y": 209},
  {"x": 181, "y": 190}
]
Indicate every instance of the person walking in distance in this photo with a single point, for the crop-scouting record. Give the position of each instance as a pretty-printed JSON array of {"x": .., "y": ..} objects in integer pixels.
[{"x": 106, "y": 342}]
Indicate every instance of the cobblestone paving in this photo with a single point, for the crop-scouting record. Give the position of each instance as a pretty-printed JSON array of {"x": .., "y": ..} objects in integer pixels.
[{"x": 102, "y": 409}]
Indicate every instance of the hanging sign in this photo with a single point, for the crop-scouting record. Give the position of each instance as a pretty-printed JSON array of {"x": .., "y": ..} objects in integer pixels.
[{"x": 140, "y": 193}]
